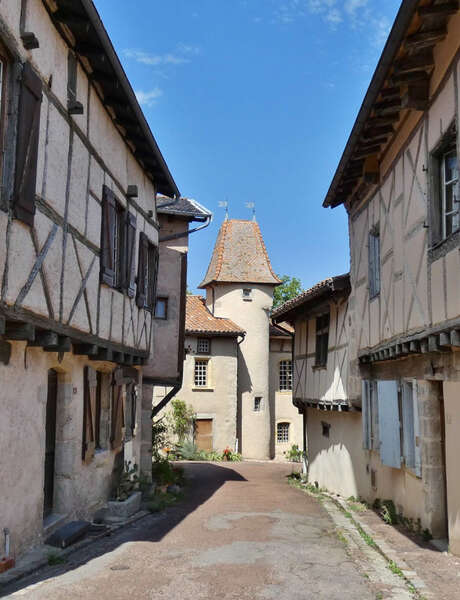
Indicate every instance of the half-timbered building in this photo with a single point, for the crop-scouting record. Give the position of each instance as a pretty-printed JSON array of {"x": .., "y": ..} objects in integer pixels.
[
  {"x": 80, "y": 171},
  {"x": 398, "y": 180}
]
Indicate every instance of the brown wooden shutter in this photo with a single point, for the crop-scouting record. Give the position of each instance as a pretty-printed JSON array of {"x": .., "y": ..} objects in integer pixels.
[
  {"x": 116, "y": 436},
  {"x": 130, "y": 272},
  {"x": 155, "y": 255},
  {"x": 27, "y": 145},
  {"x": 89, "y": 414},
  {"x": 109, "y": 209},
  {"x": 142, "y": 275}
]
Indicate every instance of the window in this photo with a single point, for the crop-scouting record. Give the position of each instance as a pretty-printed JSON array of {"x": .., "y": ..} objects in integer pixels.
[
  {"x": 203, "y": 346},
  {"x": 161, "y": 308},
  {"x": 247, "y": 294},
  {"x": 285, "y": 375},
  {"x": 118, "y": 243},
  {"x": 326, "y": 428},
  {"x": 391, "y": 423},
  {"x": 282, "y": 433},
  {"x": 322, "y": 340},
  {"x": 374, "y": 263},
  {"x": 450, "y": 201},
  {"x": 201, "y": 373},
  {"x": 147, "y": 273},
  {"x": 257, "y": 403}
]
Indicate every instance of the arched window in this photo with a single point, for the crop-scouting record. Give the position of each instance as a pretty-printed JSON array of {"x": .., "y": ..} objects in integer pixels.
[
  {"x": 282, "y": 433},
  {"x": 285, "y": 375}
]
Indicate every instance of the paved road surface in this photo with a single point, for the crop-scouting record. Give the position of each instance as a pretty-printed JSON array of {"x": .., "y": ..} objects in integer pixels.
[{"x": 241, "y": 533}]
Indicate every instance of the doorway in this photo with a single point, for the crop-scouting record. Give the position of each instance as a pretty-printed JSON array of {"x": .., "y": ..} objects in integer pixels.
[
  {"x": 203, "y": 434},
  {"x": 50, "y": 444}
]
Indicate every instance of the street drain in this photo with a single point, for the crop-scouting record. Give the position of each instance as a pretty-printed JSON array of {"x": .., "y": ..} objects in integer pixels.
[{"x": 119, "y": 568}]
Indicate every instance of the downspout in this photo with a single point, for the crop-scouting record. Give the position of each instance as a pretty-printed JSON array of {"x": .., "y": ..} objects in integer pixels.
[{"x": 242, "y": 335}]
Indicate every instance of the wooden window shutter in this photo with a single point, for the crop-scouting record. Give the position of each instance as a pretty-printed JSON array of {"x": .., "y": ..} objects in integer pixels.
[
  {"x": 116, "y": 435},
  {"x": 109, "y": 209},
  {"x": 365, "y": 403},
  {"x": 89, "y": 414},
  {"x": 27, "y": 145},
  {"x": 390, "y": 435},
  {"x": 130, "y": 272},
  {"x": 142, "y": 275}
]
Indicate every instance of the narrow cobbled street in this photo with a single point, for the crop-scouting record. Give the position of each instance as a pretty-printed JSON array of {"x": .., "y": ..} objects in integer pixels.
[{"x": 241, "y": 532}]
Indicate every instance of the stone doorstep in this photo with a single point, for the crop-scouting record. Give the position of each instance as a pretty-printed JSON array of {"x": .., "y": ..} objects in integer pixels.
[
  {"x": 37, "y": 558},
  {"x": 385, "y": 549}
]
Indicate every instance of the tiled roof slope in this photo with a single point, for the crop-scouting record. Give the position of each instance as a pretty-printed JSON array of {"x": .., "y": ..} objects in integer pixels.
[
  {"x": 240, "y": 256},
  {"x": 183, "y": 207},
  {"x": 332, "y": 284},
  {"x": 198, "y": 319}
]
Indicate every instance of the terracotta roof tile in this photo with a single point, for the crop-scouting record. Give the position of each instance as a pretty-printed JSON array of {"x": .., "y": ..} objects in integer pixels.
[
  {"x": 198, "y": 319},
  {"x": 240, "y": 256}
]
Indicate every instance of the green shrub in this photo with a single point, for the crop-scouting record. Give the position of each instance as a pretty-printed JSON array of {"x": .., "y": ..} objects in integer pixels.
[
  {"x": 181, "y": 419},
  {"x": 187, "y": 450},
  {"x": 294, "y": 454},
  {"x": 163, "y": 472},
  {"x": 55, "y": 559},
  {"x": 129, "y": 482},
  {"x": 388, "y": 512},
  {"x": 159, "y": 437}
]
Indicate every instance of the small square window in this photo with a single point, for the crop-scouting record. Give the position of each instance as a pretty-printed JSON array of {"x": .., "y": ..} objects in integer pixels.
[
  {"x": 247, "y": 294},
  {"x": 203, "y": 346},
  {"x": 201, "y": 373},
  {"x": 282, "y": 433},
  {"x": 326, "y": 427},
  {"x": 257, "y": 403},
  {"x": 161, "y": 308},
  {"x": 374, "y": 263},
  {"x": 285, "y": 375},
  {"x": 322, "y": 340}
]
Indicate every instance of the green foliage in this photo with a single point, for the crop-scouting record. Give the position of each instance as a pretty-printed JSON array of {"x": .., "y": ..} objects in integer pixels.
[
  {"x": 290, "y": 288},
  {"x": 427, "y": 536},
  {"x": 180, "y": 419},
  {"x": 294, "y": 454},
  {"x": 388, "y": 512},
  {"x": 186, "y": 450},
  {"x": 54, "y": 558},
  {"x": 231, "y": 456},
  {"x": 129, "y": 482},
  {"x": 163, "y": 472},
  {"x": 395, "y": 569},
  {"x": 159, "y": 437}
]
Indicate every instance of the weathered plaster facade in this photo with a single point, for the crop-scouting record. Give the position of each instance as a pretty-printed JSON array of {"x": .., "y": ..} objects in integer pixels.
[{"x": 56, "y": 313}]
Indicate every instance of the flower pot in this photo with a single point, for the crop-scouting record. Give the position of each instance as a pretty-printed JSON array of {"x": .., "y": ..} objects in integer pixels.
[{"x": 6, "y": 563}]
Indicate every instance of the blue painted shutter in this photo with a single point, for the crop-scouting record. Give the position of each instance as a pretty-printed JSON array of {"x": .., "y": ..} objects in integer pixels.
[
  {"x": 418, "y": 443},
  {"x": 366, "y": 415},
  {"x": 407, "y": 403},
  {"x": 390, "y": 439}
]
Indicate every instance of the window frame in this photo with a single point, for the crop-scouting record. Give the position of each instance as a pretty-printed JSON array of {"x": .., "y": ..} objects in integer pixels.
[
  {"x": 287, "y": 386},
  {"x": 203, "y": 339},
  {"x": 158, "y": 300},
  {"x": 283, "y": 438},
  {"x": 322, "y": 324},
  {"x": 246, "y": 296},
  {"x": 374, "y": 262},
  {"x": 196, "y": 382},
  {"x": 258, "y": 404},
  {"x": 454, "y": 184}
]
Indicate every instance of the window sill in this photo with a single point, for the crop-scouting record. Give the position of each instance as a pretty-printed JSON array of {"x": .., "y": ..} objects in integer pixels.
[
  {"x": 285, "y": 392},
  {"x": 443, "y": 247},
  {"x": 374, "y": 297},
  {"x": 202, "y": 389},
  {"x": 319, "y": 367},
  {"x": 247, "y": 299}
]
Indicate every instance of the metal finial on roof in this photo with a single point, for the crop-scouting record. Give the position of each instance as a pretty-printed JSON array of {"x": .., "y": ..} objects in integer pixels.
[
  {"x": 224, "y": 204},
  {"x": 253, "y": 206}
]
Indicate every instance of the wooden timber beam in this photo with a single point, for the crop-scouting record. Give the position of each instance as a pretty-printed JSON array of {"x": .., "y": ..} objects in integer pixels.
[
  {"x": 85, "y": 349},
  {"x": 72, "y": 19},
  {"x": 384, "y": 120},
  {"x": 63, "y": 345},
  {"x": 387, "y": 105},
  {"x": 371, "y": 170},
  {"x": 433, "y": 343},
  {"x": 376, "y": 132},
  {"x": 2, "y": 325},
  {"x": 104, "y": 354},
  {"x": 92, "y": 51},
  {"x": 418, "y": 75},
  {"x": 364, "y": 151},
  {"x": 415, "y": 62},
  {"x": 5, "y": 352},
  {"x": 391, "y": 92},
  {"x": 18, "y": 330},
  {"x": 45, "y": 338},
  {"x": 424, "y": 39},
  {"x": 447, "y": 8},
  {"x": 417, "y": 96}
]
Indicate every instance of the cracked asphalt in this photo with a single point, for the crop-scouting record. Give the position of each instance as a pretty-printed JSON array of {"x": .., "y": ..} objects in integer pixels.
[{"x": 241, "y": 533}]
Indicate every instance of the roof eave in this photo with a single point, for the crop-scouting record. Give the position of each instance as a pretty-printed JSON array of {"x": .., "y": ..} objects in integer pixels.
[{"x": 402, "y": 22}]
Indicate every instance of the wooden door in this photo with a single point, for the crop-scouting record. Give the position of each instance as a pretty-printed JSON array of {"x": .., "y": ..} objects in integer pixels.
[
  {"x": 50, "y": 444},
  {"x": 203, "y": 434}
]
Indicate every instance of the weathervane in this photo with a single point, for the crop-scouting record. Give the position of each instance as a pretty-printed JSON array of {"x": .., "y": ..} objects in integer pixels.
[
  {"x": 253, "y": 206},
  {"x": 224, "y": 204}
]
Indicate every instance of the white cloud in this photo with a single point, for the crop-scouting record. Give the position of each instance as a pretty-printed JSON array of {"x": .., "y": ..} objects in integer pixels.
[
  {"x": 148, "y": 98},
  {"x": 155, "y": 60},
  {"x": 352, "y": 6}
]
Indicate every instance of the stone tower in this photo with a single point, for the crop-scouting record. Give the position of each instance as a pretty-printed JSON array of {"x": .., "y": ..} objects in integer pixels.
[{"x": 239, "y": 285}]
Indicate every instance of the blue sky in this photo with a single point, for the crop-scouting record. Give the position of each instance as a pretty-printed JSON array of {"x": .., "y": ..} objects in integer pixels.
[{"x": 253, "y": 101}]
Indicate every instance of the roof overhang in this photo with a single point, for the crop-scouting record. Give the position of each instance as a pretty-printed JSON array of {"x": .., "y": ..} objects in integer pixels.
[
  {"x": 400, "y": 84},
  {"x": 81, "y": 27},
  {"x": 310, "y": 300},
  {"x": 197, "y": 332}
]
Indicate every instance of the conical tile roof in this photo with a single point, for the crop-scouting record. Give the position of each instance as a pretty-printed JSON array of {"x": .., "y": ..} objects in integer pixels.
[{"x": 239, "y": 256}]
